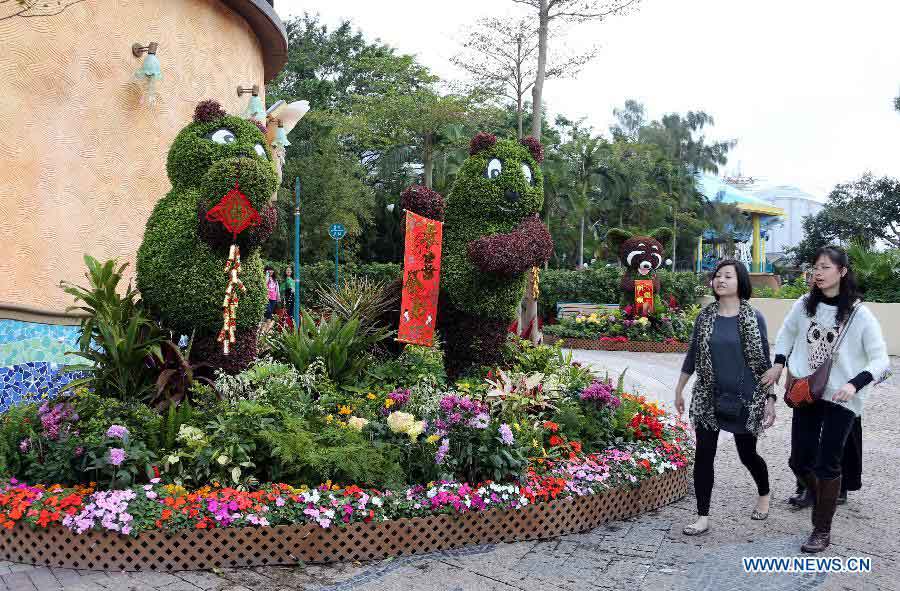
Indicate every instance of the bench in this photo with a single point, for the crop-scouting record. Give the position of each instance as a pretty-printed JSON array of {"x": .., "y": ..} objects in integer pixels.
[{"x": 573, "y": 309}]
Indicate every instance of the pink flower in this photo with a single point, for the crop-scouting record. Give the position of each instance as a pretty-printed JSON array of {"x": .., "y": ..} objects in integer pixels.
[
  {"x": 116, "y": 456},
  {"x": 117, "y": 431}
]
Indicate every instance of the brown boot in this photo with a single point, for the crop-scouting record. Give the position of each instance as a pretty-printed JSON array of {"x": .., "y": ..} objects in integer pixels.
[{"x": 827, "y": 492}]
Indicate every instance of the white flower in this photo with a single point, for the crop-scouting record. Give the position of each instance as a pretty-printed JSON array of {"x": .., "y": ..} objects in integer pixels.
[
  {"x": 357, "y": 423},
  {"x": 223, "y": 459},
  {"x": 400, "y": 422},
  {"x": 377, "y": 501},
  {"x": 329, "y": 513}
]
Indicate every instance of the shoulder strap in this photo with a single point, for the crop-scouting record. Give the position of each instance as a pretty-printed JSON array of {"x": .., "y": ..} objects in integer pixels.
[{"x": 846, "y": 327}]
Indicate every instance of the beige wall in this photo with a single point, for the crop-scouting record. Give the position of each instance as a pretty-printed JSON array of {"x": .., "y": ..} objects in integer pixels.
[
  {"x": 775, "y": 311},
  {"x": 82, "y": 161}
]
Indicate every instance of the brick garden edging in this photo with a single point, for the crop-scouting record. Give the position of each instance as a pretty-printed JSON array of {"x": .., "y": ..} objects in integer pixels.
[
  {"x": 634, "y": 346},
  {"x": 205, "y": 549}
]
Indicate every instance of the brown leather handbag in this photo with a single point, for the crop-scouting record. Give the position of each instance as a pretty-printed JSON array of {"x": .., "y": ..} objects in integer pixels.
[{"x": 800, "y": 392}]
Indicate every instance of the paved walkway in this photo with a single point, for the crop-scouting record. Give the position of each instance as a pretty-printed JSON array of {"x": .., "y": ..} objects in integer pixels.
[{"x": 647, "y": 552}]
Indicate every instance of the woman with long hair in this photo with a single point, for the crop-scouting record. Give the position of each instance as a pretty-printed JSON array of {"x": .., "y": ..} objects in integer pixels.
[
  {"x": 730, "y": 353},
  {"x": 830, "y": 313}
]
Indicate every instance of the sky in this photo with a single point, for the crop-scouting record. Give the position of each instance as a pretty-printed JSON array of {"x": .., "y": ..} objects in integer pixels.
[{"x": 805, "y": 87}]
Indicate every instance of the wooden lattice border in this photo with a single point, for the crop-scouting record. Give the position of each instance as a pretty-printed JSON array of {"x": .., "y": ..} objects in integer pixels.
[
  {"x": 286, "y": 545},
  {"x": 633, "y": 346}
]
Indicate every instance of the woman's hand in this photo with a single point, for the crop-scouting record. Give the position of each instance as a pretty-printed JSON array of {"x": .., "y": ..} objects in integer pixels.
[
  {"x": 772, "y": 375},
  {"x": 679, "y": 402},
  {"x": 769, "y": 414},
  {"x": 846, "y": 392}
]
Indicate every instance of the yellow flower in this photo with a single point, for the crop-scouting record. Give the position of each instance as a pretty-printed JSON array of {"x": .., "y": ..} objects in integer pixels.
[
  {"x": 534, "y": 444},
  {"x": 371, "y": 396},
  {"x": 432, "y": 439},
  {"x": 516, "y": 426},
  {"x": 329, "y": 418},
  {"x": 389, "y": 403},
  {"x": 344, "y": 410}
]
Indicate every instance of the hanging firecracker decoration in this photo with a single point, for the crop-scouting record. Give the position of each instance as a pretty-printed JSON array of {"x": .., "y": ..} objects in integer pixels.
[
  {"x": 229, "y": 305},
  {"x": 236, "y": 213}
]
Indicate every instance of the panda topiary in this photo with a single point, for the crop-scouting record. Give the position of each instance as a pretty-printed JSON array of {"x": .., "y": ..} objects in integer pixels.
[
  {"x": 642, "y": 256},
  {"x": 492, "y": 237},
  {"x": 181, "y": 260}
]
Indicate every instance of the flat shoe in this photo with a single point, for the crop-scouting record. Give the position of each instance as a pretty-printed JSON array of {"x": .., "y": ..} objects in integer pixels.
[
  {"x": 690, "y": 530},
  {"x": 759, "y": 515}
]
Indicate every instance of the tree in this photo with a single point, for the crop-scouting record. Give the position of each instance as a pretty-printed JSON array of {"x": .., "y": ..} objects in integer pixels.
[
  {"x": 629, "y": 121},
  {"x": 501, "y": 56},
  {"x": 415, "y": 119},
  {"x": 565, "y": 11},
  {"x": 863, "y": 211}
]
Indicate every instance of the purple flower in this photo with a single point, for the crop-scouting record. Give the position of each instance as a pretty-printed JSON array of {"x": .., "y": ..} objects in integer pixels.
[
  {"x": 480, "y": 421},
  {"x": 117, "y": 432},
  {"x": 506, "y": 434},
  {"x": 442, "y": 451},
  {"x": 400, "y": 396},
  {"x": 52, "y": 418},
  {"x": 25, "y": 445},
  {"x": 601, "y": 393},
  {"x": 116, "y": 456},
  {"x": 79, "y": 451}
]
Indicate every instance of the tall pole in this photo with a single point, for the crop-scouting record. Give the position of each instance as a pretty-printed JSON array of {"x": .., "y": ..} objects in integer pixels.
[
  {"x": 296, "y": 310},
  {"x": 337, "y": 246}
]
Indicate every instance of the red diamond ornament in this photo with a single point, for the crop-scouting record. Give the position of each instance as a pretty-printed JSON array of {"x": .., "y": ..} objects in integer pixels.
[{"x": 235, "y": 212}]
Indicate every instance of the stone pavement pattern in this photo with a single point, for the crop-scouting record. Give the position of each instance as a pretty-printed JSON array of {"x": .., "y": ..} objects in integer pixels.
[{"x": 646, "y": 552}]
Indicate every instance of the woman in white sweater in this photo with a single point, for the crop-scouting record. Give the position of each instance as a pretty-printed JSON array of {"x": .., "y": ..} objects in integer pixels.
[{"x": 805, "y": 341}]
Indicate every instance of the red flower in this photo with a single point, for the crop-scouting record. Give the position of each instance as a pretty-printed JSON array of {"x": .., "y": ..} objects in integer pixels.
[
  {"x": 556, "y": 440},
  {"x": 551, "y": 426},
  {"x": 576, "y": 446}
]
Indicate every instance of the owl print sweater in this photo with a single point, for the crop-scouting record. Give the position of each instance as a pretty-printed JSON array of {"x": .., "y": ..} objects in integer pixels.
[{"x": 803, "y": 344}]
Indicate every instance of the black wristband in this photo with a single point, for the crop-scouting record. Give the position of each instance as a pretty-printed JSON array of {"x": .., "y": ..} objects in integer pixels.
[
  {"x": 772, "y": 396},
  {"x": 780, "y": 359},
  {"x": 862, "y": 380}
]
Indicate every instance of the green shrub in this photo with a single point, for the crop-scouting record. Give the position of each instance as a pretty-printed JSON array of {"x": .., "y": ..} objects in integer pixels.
[
  {"x": 117, "y": 338},
  {"x": 308, "y": 454},
  {"x": 878, "y": 273},
  {"x": 339, "y": 343},
  {"x": 601, "y": 286}
]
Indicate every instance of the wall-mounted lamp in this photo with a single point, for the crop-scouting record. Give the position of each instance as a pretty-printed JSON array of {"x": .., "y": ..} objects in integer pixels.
[
  {"x": 281, "y": 139},
  {"x": 254, "y": 108},
  {"x": 150, "y": 72}
]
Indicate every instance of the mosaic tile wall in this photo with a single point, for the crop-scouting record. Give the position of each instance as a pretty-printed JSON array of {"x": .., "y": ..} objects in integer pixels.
[{"x": 31, "y": 356}]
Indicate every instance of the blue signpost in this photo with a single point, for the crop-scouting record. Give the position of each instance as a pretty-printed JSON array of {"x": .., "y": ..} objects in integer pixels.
[
  {"x": 296, "y": 311},
  {"x": 337, "y": 231}
]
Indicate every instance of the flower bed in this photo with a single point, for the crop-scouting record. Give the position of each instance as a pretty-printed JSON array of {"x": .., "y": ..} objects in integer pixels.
[{"x": 450, "y": 516}]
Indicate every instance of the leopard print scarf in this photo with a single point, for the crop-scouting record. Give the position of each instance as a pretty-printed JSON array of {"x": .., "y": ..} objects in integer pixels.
[{"x": 703, "y": 404}]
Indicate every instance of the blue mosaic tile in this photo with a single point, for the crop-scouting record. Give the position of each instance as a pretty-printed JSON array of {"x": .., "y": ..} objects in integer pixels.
[
  {"x": 32, "y": 379},
  {"x": 16, "y": 330},
  {"x": 31, "y": 356}
]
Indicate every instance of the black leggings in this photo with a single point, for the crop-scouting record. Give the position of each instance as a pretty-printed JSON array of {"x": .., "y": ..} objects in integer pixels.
[{"x": 707, "y": 442}]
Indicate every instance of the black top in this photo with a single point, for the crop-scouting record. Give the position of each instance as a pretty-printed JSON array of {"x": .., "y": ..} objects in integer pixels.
[
  {"x": 733, "y": 376},
  {"x": 862, "y": 379}
]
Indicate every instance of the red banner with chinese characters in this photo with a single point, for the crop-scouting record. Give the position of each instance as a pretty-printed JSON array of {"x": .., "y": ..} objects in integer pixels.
[
  {"x": 643, "y": 297},
  {"x": 421, "y": 280}
]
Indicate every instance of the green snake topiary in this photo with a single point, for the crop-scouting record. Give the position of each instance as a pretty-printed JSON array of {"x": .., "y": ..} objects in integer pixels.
[{"x": 181, "y": 261}]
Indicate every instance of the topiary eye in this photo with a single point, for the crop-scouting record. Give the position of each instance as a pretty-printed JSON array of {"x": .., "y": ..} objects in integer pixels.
[
  {"x": 260, "y": 151},
  {"x": 526, "y": 172},
  {"x": 494, "y": 168},
  {"x": 222, "y": 136}
]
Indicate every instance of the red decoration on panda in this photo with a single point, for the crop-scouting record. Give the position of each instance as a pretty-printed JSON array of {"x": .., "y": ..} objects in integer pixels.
[{"x": 642, "y": 256}]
